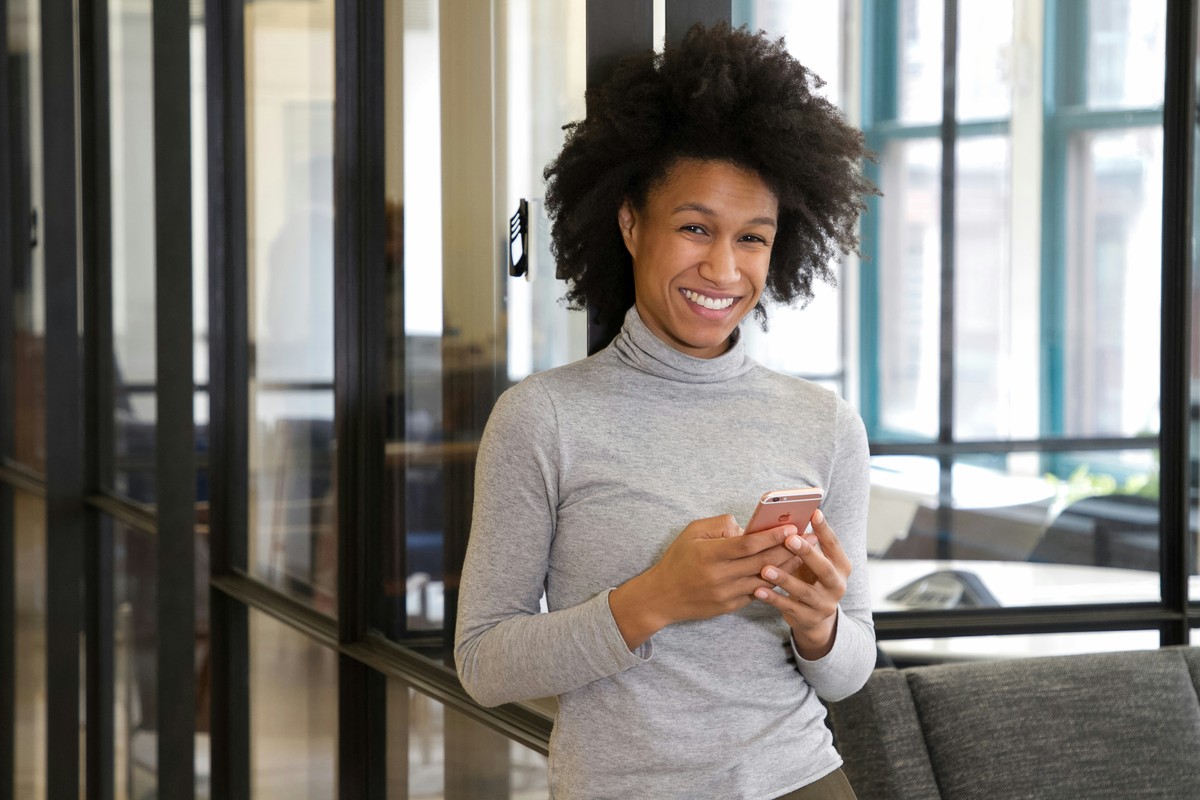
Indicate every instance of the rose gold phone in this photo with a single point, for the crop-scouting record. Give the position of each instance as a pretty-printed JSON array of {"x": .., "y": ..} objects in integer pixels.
[{"x": 795, "y": 506}]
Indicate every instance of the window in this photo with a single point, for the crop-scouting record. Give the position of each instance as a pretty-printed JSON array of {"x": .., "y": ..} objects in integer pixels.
[{"x": 1014, "y": 421}]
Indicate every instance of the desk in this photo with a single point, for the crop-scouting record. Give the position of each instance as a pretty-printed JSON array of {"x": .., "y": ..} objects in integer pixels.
[{"x": 1017, "y": 584}]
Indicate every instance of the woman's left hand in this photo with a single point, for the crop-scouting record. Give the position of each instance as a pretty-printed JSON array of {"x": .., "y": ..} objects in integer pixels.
[{"x": 811, "y": 603}]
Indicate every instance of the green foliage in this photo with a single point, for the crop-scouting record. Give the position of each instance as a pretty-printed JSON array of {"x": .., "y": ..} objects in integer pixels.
[{"x": 1082, "y": 482}]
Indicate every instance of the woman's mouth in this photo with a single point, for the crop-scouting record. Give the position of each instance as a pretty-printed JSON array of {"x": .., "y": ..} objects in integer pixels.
[{"x": 711, "y": 303}]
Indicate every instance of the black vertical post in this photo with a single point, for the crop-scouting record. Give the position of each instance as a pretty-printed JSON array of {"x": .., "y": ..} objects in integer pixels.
[
  {"x": 65, "y": 530},
  {"x": 615, "y": 29},
  {"x": 683, "y": 14},
  {"x": 175, "y": 467},
  {"x": 1179, "y": 132},
  {"x": 228, "y": 393},
  {"x": 949, "y": 135},
  {"x": 359, "y": 380},
  {"x": 95, "y": 232}
]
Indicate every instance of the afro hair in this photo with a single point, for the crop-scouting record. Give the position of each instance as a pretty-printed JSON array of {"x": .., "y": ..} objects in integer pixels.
[{"x": 723, "y": 94}]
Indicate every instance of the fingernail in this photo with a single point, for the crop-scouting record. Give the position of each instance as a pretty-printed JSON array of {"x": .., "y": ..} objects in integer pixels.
[
  {"x": 790, "y": 529},
  {"x": 796, "y": 543},
  {"x": 770, "y": 573},
  {"x": 818, "y": 517},
  {"x": 761, "y": 594}
]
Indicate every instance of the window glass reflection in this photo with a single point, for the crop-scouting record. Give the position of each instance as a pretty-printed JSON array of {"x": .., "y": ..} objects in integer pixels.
[
  {"x": 293, "y": 713},
  {"x": 453, "y": 341},
  {"x": 909, "y": 287},
  {"x": 435, "y": 752},
  {"x": 989, "y": 320},
  {"x": 816, "y": 34},
  {"x": 1111, "y": 354},
  {"x": 135, "y": 655},
  {"x": 29, "y": 684},
  {"x": 1125, "y": 47},
  {"x": 1022, "y": 529},
  {"x": 919, "y": 73},
  {"x": 289, "y": 163},
  {"x": 28, "y": 257},
  {"x": 131, "y": 112},
  {"x": 985, "y": 60},
  {"x": 135, "y": 661}
]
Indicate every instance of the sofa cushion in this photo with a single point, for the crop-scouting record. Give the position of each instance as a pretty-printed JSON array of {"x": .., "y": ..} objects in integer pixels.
[
  {"x": 879, "y": 736},
  {"x": 1117, "y": 725}
]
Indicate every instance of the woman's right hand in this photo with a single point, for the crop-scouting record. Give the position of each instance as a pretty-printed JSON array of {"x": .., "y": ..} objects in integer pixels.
[{"x": 708, "y": 570}]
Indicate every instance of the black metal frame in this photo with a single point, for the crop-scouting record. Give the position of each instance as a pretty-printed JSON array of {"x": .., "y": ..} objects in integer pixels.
[
  {"x": 1179, "y": 135},
  {"x": 175, "y": 440},
  {"x": 229, "y": 394},
  {"x": 359, "y": 376},
  {"x": 65, "y": 490},
  {"x": 95, "y": 227}
]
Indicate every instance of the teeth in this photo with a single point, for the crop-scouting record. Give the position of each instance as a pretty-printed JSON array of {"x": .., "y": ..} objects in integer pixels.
[{"x": 708, "y": 302}]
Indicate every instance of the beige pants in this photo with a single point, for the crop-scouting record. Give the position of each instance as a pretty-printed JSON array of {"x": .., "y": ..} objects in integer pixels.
[{"x": 833, "y": 786}]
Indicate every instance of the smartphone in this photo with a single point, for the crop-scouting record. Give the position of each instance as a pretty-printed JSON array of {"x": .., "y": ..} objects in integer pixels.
[{"x": 795, "y": 506}]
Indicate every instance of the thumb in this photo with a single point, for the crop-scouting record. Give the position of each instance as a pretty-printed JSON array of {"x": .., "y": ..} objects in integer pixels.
[{"x": 722, "y": 527}]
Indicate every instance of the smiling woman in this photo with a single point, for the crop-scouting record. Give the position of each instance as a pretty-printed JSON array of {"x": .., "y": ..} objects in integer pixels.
[
  {"x": 701, "y": 248},
  {"x": 688, "y": 657}
]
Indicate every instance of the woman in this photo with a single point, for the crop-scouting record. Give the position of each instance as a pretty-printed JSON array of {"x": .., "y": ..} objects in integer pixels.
[{"x": 687, "y": 658}]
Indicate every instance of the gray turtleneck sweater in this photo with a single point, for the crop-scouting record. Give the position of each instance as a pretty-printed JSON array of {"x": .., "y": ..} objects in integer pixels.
[{"x": 586, "y": 473}]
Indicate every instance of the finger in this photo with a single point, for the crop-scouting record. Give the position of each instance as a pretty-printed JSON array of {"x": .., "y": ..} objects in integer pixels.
[
  {"x": 818, "y": 572},
  {"x": 753, "y": 543},
  {"x": 722, "y": 527},
  {"x": 795, "y": 611},
  {"x": 817, "y": 562},
  {"x": 831, "y": 545},
  {"x": 821, "y": 600}
]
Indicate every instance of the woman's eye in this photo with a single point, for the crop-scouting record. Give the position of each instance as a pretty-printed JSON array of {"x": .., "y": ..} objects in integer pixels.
[
  {"x": 693, "y": 229},
  {"x": 754, "y": 239}
]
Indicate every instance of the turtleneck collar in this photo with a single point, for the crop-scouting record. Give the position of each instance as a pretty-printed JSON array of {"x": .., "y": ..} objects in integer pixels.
[{"x": 640, "y": 348}]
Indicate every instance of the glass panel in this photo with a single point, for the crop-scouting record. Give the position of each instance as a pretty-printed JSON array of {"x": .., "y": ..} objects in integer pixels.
[
  {"x": 448, "y": 341},
  {"x": 1112, "y": 292},
  {"x": 985, "y": 60},
  {"x": 1125, "y": 53},
  {"x": 919, "y": 73},
  {"x": 28, "y": 257},
  {"x": 29, "y": 518},
  {"x": 289, "y": 171},
  {"x": 435, "y": 752},
  {"x": 135, "y": 653},
  {"x": 131, "y": 100},
  {"x": 1011, "y": 530},
  {"x": 293, "y": 713},
  {"x": 990, "y": 386},
  {"x": 546, "y": 82},
  {"x": 815, "y": 34},
  {"x": 909, "y": 287},
  {"x": 912, "y": 652}
]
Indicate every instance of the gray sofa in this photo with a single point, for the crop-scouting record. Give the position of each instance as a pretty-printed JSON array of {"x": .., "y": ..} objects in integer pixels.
[{"x": 1113, "y": 725}]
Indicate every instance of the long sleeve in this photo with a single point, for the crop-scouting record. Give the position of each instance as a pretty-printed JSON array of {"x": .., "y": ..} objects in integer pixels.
[
  {"x": 506, "y": 649},
  {"x": 845, "y": 669}
]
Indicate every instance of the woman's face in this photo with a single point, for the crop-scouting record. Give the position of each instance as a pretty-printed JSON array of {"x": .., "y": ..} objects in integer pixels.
[{"x": 700, "y": 248}]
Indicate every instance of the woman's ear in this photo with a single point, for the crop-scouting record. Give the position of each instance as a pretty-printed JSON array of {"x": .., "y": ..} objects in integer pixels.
[{"x": 626, "y": 220}]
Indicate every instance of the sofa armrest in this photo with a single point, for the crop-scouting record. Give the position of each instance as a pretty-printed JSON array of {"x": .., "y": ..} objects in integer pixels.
[{"x": 879, "y": 737}]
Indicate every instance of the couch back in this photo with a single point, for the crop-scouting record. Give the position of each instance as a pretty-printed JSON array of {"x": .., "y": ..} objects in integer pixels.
[{"x": 1110, "y": 725}]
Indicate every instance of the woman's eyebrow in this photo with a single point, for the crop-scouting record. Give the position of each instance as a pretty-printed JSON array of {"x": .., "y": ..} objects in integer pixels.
[{"x": 700, "y": 208}]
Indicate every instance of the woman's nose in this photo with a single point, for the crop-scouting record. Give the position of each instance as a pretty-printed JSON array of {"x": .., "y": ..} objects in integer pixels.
[{"x": 720, "y": 265}]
